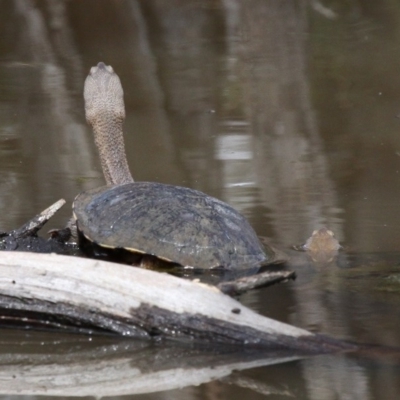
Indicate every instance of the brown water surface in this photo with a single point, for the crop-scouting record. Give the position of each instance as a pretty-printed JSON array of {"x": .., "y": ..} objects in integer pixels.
[{"x": 287, "y": 110}]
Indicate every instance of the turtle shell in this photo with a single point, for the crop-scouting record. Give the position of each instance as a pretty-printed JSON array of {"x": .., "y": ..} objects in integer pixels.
[{"x": 173, "y": 223}]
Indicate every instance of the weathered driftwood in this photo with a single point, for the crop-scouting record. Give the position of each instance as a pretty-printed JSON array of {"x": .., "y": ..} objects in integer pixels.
[
  {"x": 120, "y": 367},
  {"x": 94, "y": 296}
]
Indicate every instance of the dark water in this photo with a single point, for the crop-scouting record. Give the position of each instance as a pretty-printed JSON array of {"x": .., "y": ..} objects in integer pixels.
[{"x": 287, "y": 110}]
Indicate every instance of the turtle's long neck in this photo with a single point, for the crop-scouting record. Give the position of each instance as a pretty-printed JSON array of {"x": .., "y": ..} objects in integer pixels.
[{"x": 105, "y": 112}]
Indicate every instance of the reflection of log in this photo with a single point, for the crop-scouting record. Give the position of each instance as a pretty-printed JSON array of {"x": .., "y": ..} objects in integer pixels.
[
  {"x": 120, "y": 367},
  {"x": 94, "y": 296},
  {"x": 256, "y": 386}
]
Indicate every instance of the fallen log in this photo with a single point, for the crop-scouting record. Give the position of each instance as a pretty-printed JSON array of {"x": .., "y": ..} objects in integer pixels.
[{"x": 92, "y": 296}]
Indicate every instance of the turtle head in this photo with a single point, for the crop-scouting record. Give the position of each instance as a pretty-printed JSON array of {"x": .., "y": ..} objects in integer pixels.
[{"x": 103, "y": 94}]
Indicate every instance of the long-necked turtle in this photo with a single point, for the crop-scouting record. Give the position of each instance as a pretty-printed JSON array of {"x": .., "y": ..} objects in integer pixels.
[{"x": 177, "y": 224}]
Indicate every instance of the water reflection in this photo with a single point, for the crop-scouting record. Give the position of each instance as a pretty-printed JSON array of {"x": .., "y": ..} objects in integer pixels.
[
  {"x": 42, "y": 364},
  {"x": 285, "y": 109},
  {"x": 72, "y": 366}
]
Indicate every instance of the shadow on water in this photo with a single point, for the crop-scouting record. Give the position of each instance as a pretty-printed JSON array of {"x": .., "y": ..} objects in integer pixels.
[{"x": 284, "y": 109}]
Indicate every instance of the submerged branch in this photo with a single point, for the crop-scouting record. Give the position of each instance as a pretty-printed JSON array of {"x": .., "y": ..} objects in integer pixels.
[{"x": 257, "y": 281}]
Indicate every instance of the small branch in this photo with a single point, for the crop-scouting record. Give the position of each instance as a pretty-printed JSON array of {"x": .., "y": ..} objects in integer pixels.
[
  {"x": 36, "y": 223},
  {"x": 257, "y": 281}
]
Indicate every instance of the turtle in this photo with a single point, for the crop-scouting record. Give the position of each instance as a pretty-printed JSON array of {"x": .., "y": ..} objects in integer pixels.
[
  {"x": 172, "y": 224},
  {"x": 321, "y": 246}
]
